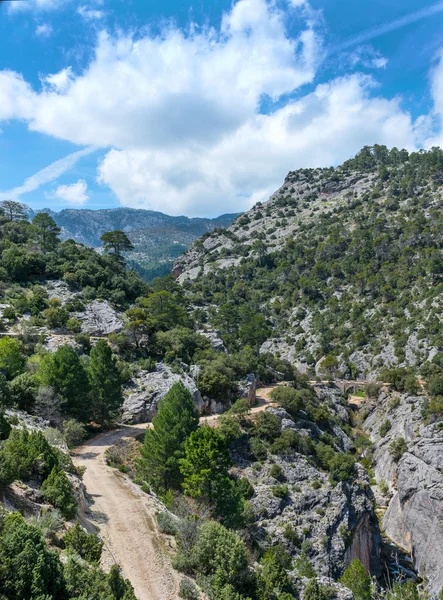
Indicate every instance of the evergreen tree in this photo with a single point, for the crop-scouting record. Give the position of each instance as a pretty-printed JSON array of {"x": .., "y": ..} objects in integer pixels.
[
  {"x": 12, "y": 359},
  {"x": 64, "y": 373},
  {"x": 46, "y": 231},
  {"x": 164, "y": 444},
  {"x": 104, "y": 377},
  {"x": 116, "y": 242},
  {"x": 205, "y": 465},
  {"x": 357, "y": 580},
  {"x": 13, "y": 211}
]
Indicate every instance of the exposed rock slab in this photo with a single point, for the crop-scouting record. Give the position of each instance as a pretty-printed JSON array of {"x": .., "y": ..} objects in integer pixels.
[
  {"x": 147, "y": 389},
  {"x": 99, "y": 318}
]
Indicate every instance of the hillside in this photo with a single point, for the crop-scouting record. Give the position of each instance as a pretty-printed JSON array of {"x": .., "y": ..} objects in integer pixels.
[
  {"x": 343, "y": 263},
  {"x": 313, "y": 484},
  {"x": 158, "y": 238}
]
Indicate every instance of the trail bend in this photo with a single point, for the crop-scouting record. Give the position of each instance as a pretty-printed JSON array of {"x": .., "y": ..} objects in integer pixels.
[{"x": 125, "y": 516}]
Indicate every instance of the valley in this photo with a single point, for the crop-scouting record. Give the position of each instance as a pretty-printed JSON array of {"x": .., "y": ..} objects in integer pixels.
[{"x": 264, "y": 424}]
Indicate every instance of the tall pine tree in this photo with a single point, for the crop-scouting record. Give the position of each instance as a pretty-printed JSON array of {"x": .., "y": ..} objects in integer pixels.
[
  {"x": 106, "y": 385},
  {"x": 164, "y": 445},
  {"x": 64, "y": 372}
]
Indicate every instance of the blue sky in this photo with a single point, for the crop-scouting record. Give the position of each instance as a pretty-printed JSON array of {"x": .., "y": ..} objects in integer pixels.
[{"x": 202, "y": 108}]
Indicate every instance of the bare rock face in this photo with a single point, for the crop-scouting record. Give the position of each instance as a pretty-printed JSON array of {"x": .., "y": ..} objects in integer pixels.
[
  {"x": 214, "y": 338},
  {"x": 414, "y": 520},
  {"x": 247, "y": 388},
  {"x": 99, "y": 318},
  {"x": 147, "y": 389},
  {"x": 338, "y": 522}
]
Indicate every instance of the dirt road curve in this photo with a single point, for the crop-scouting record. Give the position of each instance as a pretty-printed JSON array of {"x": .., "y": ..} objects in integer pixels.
[{"x": 125, "y": 516}]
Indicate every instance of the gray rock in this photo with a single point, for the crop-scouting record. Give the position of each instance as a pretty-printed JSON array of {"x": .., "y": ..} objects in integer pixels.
[
  {"x": 214, "y": 338},
  {"x": 247, "y": 388},
  {"x": 99, "y": 318},
  {"x": 147, "y": 389},
  {"x": 413, "y": 520}
]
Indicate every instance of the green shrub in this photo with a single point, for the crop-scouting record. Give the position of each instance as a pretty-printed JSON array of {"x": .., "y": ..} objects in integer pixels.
[
  {"x": 397, "y": 448},
  {"x": 74, "y": 325},
  {"x": 280, "y": 491},
  {"x": 188, "y": 590},
  {"x": 57, "y": 490},
  {"x": 276, "y": 472},
  {"x": 245, "y": 488},
  {"x": 167, "y": 523},
  {"x": 87, "y": 545},
  {"x": 357, "y": 580},
  {"x": 258, "y": 449},
  {"x": 74, "y": 432},
  {"x": 304, "y": 567},
  {"x": 385, "y": 427}
]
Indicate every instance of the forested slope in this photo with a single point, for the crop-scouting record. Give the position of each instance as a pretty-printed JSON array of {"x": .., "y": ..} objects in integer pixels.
[{"x": 343, "y": 263}]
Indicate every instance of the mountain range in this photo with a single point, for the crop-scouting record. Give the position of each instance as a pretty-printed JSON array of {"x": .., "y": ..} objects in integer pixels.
[{"x": 158, "y": 238}]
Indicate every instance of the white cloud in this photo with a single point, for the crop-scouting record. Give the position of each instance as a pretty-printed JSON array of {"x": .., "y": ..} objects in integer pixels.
[
  {"x": 46, "y": 175},
  {"x": 366, "y": 56},
  {"x": 35, "y": 5},
  {"x": 75, "y": 194},
  {"x": 60, "y": 81},
  {"x": 181, "y": 110},
  {"x": 44, "y": 30},
  {"x": 323, "y": 128},
  {"x": 90, "y": 14}
]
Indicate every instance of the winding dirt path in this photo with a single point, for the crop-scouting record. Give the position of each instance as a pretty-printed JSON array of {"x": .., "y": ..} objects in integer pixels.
[{"x": 125, "y": 516}]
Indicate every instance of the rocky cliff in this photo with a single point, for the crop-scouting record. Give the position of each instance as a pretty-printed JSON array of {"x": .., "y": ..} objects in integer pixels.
[{"x": 413, "y": 519}]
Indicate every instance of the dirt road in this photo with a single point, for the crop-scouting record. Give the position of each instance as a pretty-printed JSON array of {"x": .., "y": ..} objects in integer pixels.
[{"x": 125, "y": 516}]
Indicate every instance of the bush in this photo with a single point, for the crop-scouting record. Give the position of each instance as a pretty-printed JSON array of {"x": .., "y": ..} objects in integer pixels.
[
  {"x": 304, "y": 567},
  {"x": 267, "y": 426},
  {"x": 288, "y": 398},
  {"x": 276, "y": 472},
  {"x": 280, "y": 491},
  {"x": 245, "y": 489},
  {"x": 24, "y": 455},
  {"x": 222, "y": 553},
  {"x": 56, "y": 317},
  {"x": 188, "y": 590},
  {"x": 74, "y": 432},
  {"x": 167, "y": 523},
  {"x": 258, "y": 449},
  {"x": 74, "y": 325},
  {"x": 57, "y": 490},
  {"x": 87, "y": 545},
  {"x": 397, "y": 448},
  {"x": 12, "y": 359},
  {"x": 385, "y": 427},
  {"x": 357, "y": 580}
]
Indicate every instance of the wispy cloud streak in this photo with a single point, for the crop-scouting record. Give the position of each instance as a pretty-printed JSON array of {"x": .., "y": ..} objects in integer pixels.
[
  {"x": 46, "y": 175},
  {"x": 370, "y": 34}
]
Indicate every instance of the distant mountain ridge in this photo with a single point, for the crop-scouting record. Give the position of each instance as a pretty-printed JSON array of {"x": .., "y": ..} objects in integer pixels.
[
  {"x": 86, "y": 226},
  {"x": 158, "y": 238}
]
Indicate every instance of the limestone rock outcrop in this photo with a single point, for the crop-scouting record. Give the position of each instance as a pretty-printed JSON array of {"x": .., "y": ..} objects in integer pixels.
[
  {"x": 148, "y": 388},
  {"x": 414, "y": 520}
]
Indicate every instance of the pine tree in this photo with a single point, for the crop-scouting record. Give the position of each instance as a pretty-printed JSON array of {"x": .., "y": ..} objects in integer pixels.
[
  {"x": 64, "y": 373},
  {"x": 164, "y": 444},
  {"x": 107, "y": 397},
  {"x": 46, "y": 231},
  {"x": 13, "y": 211},
  {"x": 357, "y": 580},
  {"x": 205, "y": 465},
  {"x": 116, "y": 242}
]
